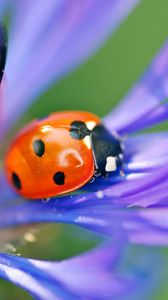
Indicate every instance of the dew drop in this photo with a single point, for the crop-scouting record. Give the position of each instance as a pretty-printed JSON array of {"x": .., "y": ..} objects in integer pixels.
[
  {"x": 100, "y": 194},
  {"x": 122, "y": 173}
]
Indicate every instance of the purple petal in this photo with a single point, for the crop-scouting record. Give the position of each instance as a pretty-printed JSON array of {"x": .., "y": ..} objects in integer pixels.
[
  {"x": 156, "y": 232},
  {"x": 89, "y": 275},
  {"x": 140, "y": 156},
  {"x": 52, "y": 41},
  {"x": 144, "y": 105},
  {"x": 104, "y": 215},
  {"x": 140, "y": 159}
]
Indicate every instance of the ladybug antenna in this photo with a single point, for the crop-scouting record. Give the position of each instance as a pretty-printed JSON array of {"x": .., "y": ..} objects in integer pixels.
[{"x": 3, "y": 49}]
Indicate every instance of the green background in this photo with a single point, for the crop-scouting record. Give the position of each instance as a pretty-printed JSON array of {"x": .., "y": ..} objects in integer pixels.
[{"x": 97, "y": 86}]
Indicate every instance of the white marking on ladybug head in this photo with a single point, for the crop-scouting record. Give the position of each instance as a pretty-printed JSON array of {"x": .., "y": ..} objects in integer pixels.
[
  {"x": 90, "y": 124},
  {"x": 87, "y": 141},
  {"x": 111, "y": 164}
]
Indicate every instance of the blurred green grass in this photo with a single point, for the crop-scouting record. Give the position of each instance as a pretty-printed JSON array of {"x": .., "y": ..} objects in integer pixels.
[{"x": 97, "y": 86}]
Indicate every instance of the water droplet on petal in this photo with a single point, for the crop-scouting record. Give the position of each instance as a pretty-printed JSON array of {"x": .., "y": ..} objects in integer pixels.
[
  {"x": 100, "y": 194},
  {"x": 122, "y": 173}
]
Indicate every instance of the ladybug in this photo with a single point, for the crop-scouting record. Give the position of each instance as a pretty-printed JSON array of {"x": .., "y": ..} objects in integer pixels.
[{"x": 60, "y": 153}]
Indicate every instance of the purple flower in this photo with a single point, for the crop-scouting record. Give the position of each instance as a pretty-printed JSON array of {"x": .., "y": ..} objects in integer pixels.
[
  {"x": 69, "y": 279},
  {"x": 53, "y": 39}
]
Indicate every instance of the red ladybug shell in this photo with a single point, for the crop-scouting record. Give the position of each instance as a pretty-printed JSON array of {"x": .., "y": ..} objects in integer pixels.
[{"x": 51, "y": 156}]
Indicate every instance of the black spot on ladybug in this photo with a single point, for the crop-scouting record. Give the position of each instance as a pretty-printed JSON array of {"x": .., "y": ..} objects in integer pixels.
[
  {"x": 38, "y": 147},
  {"x": 79, "y": 130},
  {"x": 16, "y": 181},
  {"x": 59, "y": 178}
]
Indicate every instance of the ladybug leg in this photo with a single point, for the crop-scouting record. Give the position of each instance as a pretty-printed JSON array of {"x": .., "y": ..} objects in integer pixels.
[
  {"x": 107, "y": 151},
  {"x": 120, "y": 164},
  {"x": 45, "y": 200}
]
